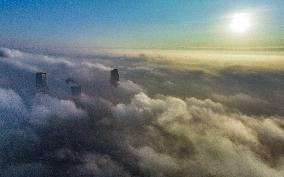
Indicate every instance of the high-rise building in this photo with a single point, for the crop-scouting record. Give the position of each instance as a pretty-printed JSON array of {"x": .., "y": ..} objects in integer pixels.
[
  {"x": 114, "y": 77},
  {"x": 41, "y": 82},
  {"x": 76, "y": 90}
]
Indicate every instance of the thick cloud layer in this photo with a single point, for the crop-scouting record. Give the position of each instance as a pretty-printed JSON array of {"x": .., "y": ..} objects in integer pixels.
[
  {"x": 156, "y": 128},
  {"x": 203, "y": 138}
]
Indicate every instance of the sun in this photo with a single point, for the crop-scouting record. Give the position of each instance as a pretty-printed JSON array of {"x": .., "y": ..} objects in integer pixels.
[{"x": 240, "y": 23}]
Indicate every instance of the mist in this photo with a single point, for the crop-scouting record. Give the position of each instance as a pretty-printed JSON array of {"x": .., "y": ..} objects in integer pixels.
[{"x": 198, "y": 113}]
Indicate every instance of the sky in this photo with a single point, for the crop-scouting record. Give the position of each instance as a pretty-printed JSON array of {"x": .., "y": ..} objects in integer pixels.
[
  {"x": 172, "y": 112},
  {"x": 140, "y": 24}
]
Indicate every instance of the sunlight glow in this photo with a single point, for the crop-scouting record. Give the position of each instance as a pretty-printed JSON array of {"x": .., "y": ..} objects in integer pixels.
[{"x": 240, "y": 23}]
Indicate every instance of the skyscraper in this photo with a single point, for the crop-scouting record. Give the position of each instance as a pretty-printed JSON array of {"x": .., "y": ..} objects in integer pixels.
[
  {"x": 114, "y": 77},
  {"x": 41, "y": 82}
]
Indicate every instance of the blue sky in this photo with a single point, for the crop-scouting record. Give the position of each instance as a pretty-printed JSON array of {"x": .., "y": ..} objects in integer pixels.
[{"x": 137, "y": 23}]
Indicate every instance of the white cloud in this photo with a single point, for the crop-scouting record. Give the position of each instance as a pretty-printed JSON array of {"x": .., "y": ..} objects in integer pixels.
[
  {"x": 160, "y": 164},
  {"x": 10, "y": 53},
  {"x": 45, "y": 106},
  {"x": 97, "y": 66},
  {"x": 225, "y": 142}
]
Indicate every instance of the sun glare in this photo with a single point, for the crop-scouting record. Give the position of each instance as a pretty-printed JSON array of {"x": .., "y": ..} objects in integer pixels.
[{"x": 240, "y": 23}]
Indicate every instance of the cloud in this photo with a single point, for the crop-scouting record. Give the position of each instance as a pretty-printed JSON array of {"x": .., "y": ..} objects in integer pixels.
[
  {"x": 32, "y": 169},
  {"x": 9, "y": 53},
  {"x": 45, "y": 107},
  {"x": 160, "y": 164},
  {"x": 141, "y": 109},
  {"x": 130, "y": 86},
  {"x": 97, "y": 66},
  {"x": 101, "y": 165},
  {"x": 225, "y": 141},
  {"x": 203, "y": 124},
  {"x": 245, "y": 103},
  {"x": 12, "y": 109}
]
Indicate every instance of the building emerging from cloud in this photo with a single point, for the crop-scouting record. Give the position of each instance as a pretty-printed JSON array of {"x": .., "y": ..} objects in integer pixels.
[
  {"x": 114, "y": 77},
  {"x": 41, "y": 82}
]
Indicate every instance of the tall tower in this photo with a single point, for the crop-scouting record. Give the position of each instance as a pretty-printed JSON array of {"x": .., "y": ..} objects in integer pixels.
[
  {"x": 75, "y": 88},
  {"x": 76, "y": 91},
  {"x": 114, "y": 77},
  {"x": 41, "y": 82}
]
